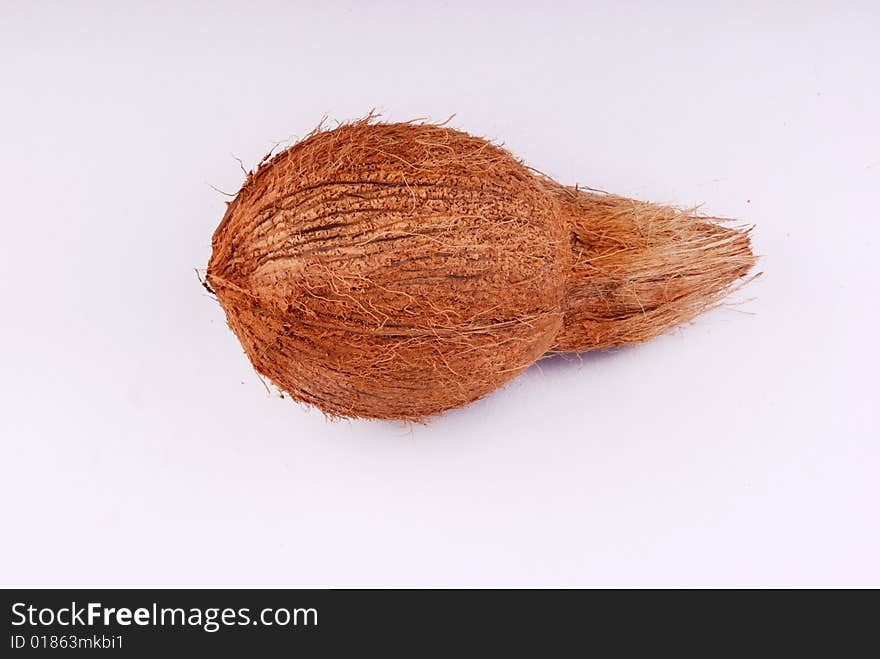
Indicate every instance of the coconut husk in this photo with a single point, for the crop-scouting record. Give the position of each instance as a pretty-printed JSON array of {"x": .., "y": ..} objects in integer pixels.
[
  {"x": 394, "y": 271},
  {"x": 639, "y": 269}
]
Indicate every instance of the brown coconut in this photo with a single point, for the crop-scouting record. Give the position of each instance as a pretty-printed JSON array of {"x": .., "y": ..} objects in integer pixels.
[{"x": 394, "y": 271}]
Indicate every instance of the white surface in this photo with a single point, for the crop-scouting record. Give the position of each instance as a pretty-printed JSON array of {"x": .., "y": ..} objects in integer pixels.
[{"x": 140, "y": 449}]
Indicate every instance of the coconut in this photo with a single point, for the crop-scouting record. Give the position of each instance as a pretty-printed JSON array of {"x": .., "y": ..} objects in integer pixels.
[{"x": 396, "y": 270}]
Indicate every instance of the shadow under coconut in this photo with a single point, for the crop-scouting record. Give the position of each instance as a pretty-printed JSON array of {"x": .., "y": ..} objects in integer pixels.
[
  {"x": 554, "y": 362},
  {"x": 549, "y": 366}
]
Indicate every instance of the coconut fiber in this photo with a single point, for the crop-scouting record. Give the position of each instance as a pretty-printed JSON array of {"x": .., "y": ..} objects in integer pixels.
[{"x": 396, "y": 270}]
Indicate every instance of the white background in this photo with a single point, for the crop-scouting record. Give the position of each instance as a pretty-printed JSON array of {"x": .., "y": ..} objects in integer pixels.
[{"x": 139, "y": 448}]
